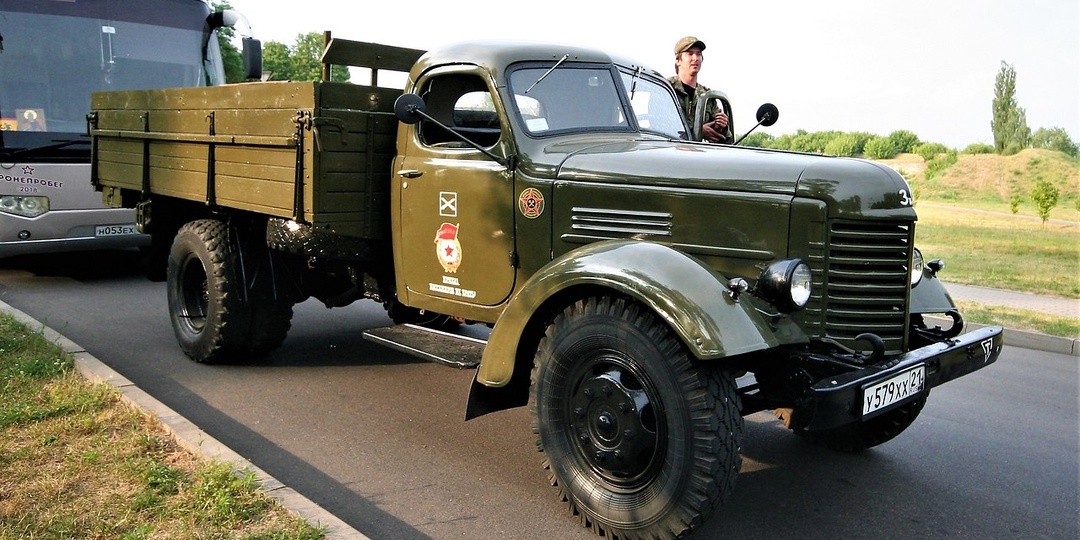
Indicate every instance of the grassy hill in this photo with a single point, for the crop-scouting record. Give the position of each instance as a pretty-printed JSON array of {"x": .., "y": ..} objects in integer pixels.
[
  {"x": 989, "y": 181},
  {"x": 965, "y": 217}
]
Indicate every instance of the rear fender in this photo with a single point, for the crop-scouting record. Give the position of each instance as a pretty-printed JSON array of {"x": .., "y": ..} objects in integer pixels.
[{"x": 693, "y": 299}]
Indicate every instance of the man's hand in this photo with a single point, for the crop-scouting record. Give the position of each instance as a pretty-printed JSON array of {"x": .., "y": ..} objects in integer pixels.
[
  {"x": 720, "y": 121},
  {"x": 714, "y": 131}
]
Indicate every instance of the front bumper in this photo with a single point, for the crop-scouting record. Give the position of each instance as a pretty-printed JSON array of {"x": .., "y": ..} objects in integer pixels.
[{"x": 836, "y": 401}]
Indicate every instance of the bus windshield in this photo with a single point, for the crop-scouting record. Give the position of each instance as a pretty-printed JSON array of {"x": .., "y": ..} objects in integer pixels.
[{"x": 54, "y": 54}]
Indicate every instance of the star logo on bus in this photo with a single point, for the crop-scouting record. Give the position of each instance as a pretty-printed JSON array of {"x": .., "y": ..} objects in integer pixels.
[{"x": 28, "y": 170}]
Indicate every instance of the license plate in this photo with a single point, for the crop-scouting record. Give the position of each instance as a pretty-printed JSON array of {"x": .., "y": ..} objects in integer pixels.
[
  {"x": 115, "y": 230},
  {"x": 885, "y": 393}
]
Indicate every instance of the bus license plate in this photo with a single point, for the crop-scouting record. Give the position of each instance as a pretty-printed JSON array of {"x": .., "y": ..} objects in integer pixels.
[
  {"x": 114, "y": 230},
  {"x": 897, "y": 388}
]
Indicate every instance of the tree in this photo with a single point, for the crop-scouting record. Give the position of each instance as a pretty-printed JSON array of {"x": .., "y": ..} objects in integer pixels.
[
  {"x": 758, "y": 139},
  {"x": 1054, "y": 139},
  {"x": 1045, "y": 197},
  {"x": 277, "y": 60},
  {"x": 903, "y": 140},
  {"x": 880, "y": 148},
  {"x": 1009, "y": 124},
  {"x": 846, "y": 145},
  {"x": 300, "y": 62}
]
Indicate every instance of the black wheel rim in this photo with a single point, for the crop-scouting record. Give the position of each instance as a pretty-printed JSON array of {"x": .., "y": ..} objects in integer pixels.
[
  {"x": 194, "y": 297},
  {"x": 613, "y": 418}
]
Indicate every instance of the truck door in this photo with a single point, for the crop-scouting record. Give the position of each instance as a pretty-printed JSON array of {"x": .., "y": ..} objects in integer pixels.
[{"x": 455, "y": 215}]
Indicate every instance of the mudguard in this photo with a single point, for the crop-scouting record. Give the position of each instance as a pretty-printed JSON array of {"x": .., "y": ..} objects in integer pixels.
[
  {"x": 692, "y": 298},
  {"x": 930, "y": 296}
]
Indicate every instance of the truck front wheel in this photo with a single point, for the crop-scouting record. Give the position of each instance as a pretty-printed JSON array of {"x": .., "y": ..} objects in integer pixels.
[
  {"x": 639, "y": 441},
  {"x": 208, "y": 316}
]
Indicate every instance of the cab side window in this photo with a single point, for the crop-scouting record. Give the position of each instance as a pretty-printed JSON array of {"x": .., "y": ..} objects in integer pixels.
[{"x": 463, "y": 103}]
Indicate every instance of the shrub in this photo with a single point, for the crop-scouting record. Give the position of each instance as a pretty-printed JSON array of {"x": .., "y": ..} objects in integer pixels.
[
  {"x": 929, "y": 151},
  {"x": 938, "y": 164},
  {"x": 903, "y": 140},
  {"x": 758, "y": 139},
  {"x": 843, "y": 145},
  {"x": 1045, "y": 197},
  {"x": 1014, "y": 203},
  {"x": 880, "y": 148},
  {"x": 979, "y": 148},
  {"x": 1013, "y": 148}
]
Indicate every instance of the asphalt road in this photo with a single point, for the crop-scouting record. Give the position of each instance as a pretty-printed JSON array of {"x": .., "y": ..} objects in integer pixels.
[{"x": 378, "y": 438}]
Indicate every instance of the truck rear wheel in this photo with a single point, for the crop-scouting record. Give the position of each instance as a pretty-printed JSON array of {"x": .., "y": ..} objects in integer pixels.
[
  {"x": 639, "y": 441},
  {"x": 208, "y": 315}
]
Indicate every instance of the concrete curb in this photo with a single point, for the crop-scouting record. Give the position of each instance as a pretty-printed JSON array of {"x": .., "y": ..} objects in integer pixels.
[
  {"x": 188, "y": 435},
  {"x": 1023, "y": 338}
]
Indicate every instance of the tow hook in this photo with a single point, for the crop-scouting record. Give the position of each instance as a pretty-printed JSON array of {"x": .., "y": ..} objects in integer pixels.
[{"x": 878, "y": 345}]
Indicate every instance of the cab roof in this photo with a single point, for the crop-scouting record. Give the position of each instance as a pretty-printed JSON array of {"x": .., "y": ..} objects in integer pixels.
[{"x": 496, "y": 56}]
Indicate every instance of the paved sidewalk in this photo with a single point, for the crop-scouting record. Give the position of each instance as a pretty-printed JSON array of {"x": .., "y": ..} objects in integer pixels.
[{"x": 1053, "y": 305}]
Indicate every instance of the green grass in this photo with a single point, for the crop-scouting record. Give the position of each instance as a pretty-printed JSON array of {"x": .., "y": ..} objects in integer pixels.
[
  {"x": 77, "y": 462},
  {"x": 1020, "y": 319},
  {"x": 967, "y": 218},
  {"x": 1001, "y": 250}
]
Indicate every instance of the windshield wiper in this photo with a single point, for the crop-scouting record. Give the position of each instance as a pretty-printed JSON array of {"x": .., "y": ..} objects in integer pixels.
[
  {"x": 633, "y": 82},
  {"x": 9, "y": 153},
  {"x": 548, "y": 72}
]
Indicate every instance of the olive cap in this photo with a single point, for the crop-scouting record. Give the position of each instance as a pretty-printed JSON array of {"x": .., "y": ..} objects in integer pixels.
[{"x": 687, "y": 43}]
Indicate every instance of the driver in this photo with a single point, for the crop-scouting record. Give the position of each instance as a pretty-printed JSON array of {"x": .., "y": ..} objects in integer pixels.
[{"x": 688, "y": 58}]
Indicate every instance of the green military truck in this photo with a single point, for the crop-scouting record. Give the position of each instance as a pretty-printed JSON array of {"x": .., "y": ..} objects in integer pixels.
[{"x": 644, "y": 292}]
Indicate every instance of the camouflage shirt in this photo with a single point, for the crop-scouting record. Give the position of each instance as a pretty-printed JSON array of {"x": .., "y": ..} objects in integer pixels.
[{"x": 688, "y": 102}]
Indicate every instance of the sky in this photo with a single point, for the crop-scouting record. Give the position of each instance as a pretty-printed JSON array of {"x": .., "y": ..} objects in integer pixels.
[{"x": 926, "y": 66}]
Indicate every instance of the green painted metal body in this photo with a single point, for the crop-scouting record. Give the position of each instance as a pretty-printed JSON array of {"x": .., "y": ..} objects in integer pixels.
[{"x": 626, "y": 209}]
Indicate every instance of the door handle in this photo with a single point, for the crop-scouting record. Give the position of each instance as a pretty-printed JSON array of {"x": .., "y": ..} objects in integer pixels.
[{"x": 410, "y": 173}]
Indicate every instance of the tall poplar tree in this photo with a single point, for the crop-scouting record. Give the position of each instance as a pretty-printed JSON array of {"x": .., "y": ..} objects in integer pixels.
[{"x": 1009, "y": 124}]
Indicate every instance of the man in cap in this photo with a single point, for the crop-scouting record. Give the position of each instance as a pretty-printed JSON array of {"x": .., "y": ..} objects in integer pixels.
[{"x": 688, "y": 58}]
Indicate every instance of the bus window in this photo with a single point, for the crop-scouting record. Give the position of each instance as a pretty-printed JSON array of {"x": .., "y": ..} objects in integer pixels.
[{"x": 53, "y": 56}]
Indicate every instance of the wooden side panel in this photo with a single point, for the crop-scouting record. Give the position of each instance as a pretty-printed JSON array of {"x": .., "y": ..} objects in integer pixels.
[{"x": 320, "y": 152}]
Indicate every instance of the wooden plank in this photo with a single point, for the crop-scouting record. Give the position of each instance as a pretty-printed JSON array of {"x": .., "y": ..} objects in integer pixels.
[{"x": 344, "y": 52}]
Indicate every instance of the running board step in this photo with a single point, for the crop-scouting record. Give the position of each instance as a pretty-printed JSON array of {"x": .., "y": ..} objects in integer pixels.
[{"x": 434, "y": 345}]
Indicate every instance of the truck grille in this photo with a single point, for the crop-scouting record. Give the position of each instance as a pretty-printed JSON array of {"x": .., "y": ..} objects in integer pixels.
[{"x": 866, "y": 285}]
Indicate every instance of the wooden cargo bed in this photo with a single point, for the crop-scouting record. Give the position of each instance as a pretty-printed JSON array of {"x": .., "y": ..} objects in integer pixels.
[{"x": 316, "y": 152}]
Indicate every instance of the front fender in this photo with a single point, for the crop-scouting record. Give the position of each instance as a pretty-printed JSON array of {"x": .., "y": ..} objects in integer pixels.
[
  {"x": 930, "y": 296},
  {"x": 691, "y": 297}
]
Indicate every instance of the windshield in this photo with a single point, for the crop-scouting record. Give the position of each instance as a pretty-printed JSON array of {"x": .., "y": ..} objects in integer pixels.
[
  {"x": 568, "y": 98},
  {"x": 54, "y": 54},
  {"x": 654, "y": 105},
  {"x": 588, "y": 98}
]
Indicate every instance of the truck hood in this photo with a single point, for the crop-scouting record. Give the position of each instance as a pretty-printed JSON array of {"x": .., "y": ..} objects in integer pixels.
[{"x": 852, "y": 188}]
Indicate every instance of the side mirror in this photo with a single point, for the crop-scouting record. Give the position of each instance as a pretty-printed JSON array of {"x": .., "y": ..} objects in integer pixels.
[
  {"x": 409, "y": 108},
  {"x": 252, "y": 54},
  {"x": 767, "y": 114}
]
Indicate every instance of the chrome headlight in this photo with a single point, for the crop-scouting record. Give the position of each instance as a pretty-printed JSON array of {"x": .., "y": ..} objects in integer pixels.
[
  {"x": 917, "y": 266},
  {"x": 785, "y": 284},
  {"x": 24, "y": 206}
]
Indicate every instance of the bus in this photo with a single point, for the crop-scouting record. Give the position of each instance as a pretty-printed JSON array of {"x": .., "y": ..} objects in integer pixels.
[{"x": 53, "y": 55}]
